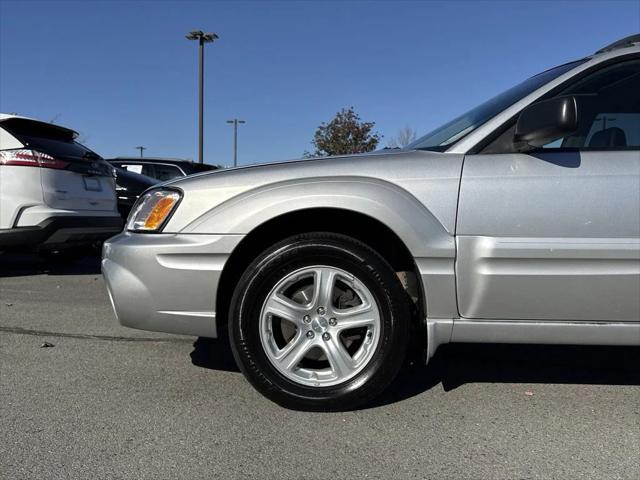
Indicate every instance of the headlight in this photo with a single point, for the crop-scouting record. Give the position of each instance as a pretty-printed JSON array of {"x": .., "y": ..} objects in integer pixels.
[{"x": 152, "y": 210}]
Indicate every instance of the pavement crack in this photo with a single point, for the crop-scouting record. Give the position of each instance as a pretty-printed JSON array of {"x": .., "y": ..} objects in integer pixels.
[{"x": 108, "y": 338}]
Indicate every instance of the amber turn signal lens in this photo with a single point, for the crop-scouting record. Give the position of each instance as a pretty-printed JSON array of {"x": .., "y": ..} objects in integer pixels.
[
  {"x": 159, "y": 213},
  {"x": 153, "y": 210}
]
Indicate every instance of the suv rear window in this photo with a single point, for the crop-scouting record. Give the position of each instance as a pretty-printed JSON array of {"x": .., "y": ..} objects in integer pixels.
[
  {"x": 46, "y": 138},
  {"x": 166, "y": 172},
  {"x": 202, "y": 167}
]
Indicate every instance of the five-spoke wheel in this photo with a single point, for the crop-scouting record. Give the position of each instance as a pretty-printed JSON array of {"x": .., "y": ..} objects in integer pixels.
[{"x": 320, "y": 325}]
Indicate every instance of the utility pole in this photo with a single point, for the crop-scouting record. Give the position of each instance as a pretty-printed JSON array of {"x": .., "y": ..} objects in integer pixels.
[
  {"x": 202, "y": 39},
  {"x": 142, "y": 149},
  {"x": 235, "y": 123}
]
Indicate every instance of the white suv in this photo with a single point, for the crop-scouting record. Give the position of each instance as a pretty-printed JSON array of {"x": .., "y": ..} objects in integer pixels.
[{"x": 54, "y": 192}]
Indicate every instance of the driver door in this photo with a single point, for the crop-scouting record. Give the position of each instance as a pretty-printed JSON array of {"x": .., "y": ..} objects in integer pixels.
[{"x": 554, "y": 234}]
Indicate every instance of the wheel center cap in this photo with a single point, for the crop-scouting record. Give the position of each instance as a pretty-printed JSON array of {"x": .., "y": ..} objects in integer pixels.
[{"x": 319, "y": 324}]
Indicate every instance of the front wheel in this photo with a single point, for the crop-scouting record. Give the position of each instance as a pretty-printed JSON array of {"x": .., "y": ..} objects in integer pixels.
[{"x": 319, "y": 322}]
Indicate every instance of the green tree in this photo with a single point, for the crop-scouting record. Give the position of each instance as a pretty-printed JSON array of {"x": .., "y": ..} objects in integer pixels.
[{"x": 345, "y": 134}]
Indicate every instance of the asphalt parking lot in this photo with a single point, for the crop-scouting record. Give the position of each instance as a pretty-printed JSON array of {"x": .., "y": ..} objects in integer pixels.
[{"x": 108, "y": 402}]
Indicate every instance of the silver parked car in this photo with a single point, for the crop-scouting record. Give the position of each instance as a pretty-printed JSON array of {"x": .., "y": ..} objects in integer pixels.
[{"x": 517, "y": 222}]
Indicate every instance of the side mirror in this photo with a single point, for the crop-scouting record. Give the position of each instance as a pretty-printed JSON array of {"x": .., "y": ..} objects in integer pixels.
[{"x": 546, "y": 121}]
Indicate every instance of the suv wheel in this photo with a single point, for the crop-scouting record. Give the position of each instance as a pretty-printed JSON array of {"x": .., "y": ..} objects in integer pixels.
[{"x": 319, "y": 321}]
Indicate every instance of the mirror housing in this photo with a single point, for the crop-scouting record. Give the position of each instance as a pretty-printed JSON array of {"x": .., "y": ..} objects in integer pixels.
[{"x": 546, "y": 121}]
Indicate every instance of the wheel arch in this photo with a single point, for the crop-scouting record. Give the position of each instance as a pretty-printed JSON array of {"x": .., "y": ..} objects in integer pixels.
[{"x": 360, "y": 226}]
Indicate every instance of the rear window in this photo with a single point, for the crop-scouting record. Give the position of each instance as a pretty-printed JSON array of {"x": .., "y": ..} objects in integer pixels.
[
  {"x": 131, "y": 167},
  {"x": 167, "y": 172},
  {"x": 202, "y": 167},
  {"x": 47, "y": 138}
]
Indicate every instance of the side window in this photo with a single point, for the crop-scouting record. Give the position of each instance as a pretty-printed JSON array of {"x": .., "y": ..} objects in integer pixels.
[
  {"x": 147, "y": 170},
  {"x": 628, "y": 123},
  {"x": 608, "y": 108},
  {"x": 130, "y": 167},
  {"x": 167, "y": 172}
]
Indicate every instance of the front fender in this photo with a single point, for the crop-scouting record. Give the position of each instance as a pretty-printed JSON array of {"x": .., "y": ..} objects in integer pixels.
[{"x": 411, "y": 221}]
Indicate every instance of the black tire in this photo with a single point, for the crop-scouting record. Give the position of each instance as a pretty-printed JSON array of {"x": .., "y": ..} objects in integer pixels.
[{"x": 319, "y": 249}]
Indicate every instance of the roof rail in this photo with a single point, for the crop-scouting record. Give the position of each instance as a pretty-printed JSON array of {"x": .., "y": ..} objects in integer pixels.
[{"x": 625, "y": 42}]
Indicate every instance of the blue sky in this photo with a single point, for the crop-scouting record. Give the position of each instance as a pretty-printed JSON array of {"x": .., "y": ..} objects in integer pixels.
[{"x": 122, "y": 73}]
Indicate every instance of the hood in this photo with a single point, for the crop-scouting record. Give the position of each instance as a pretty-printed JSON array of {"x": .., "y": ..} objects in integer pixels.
[
  {"x": 427, "y": 176},
  {"x": 357, "y": 161}
]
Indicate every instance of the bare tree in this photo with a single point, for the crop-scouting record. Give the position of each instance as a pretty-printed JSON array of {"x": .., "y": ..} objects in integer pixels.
[{"x": 405, "y": 136}]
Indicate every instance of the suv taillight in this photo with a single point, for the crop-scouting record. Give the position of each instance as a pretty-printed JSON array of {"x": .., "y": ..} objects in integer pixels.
[{"x": 30, "y": 158}]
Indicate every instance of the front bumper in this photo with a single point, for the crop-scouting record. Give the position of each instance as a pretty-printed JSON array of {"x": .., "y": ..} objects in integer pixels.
[
  {"x": 166, "y": 282},
  {"x": 61, "y": 232}
]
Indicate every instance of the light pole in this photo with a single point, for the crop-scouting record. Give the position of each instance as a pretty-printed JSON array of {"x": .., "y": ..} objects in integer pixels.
[
  {"x": 235, "y": 123},
  {"x": 202, "y": 39},
  {"x": 142, "y": 149}
]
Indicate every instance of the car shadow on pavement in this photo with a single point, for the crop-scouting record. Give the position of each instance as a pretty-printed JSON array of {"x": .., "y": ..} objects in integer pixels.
[
  {"x": 458, "y": 364},
  {"x": 214, "y": 354},
  {"x": 22, "y": 264}
]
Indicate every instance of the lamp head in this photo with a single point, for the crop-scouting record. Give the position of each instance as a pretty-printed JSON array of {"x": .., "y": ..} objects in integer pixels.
[
  {"x": 194, "y": 35},
  {"x": 209, "y": 37}
]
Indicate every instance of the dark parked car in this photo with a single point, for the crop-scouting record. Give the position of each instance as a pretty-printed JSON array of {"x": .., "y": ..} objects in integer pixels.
[
  {"x": 161, "y": 168},
  {"x": 129, "y": 186}
]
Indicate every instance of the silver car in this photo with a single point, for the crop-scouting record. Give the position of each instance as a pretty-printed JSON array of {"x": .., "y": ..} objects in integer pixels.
[{"x": 517, "y": 222}]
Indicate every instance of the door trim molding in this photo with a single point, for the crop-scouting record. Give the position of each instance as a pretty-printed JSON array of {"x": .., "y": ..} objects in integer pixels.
[{"x": 546, "y": 332}]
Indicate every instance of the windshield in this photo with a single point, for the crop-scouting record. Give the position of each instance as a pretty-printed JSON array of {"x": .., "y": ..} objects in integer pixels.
[{"x": 440, "y": 138}]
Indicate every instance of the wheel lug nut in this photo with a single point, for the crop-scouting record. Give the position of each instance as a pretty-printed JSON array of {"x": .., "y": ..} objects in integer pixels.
[
  {"x": 310, "y": 334},
  {"x": 321, "y": 310},
  {"x": 306, "y": 319},
  {"x": 326, "y": 337},
  {"x": 333, "y": 322}
]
